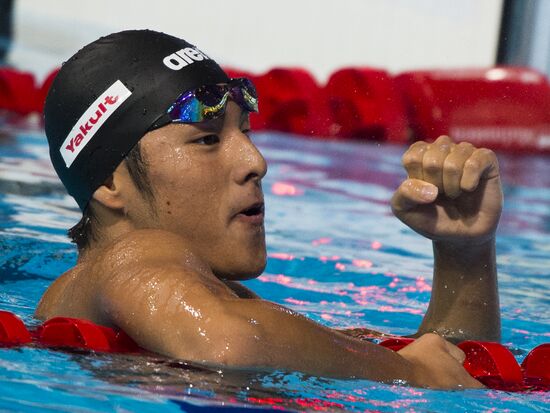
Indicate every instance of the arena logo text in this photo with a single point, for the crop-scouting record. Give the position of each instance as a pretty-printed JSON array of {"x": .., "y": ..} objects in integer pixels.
[{"x": 183, "y": 57}]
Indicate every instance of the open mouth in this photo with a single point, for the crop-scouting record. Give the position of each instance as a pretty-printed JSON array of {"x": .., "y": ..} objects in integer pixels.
[{"x": 256, "y": 209}]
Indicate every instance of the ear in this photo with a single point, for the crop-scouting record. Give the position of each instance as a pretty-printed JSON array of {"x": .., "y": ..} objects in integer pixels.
[{"x": 109, "y": 194}]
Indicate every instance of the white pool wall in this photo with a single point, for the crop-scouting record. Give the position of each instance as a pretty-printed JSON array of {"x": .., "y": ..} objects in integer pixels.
[{"x": 256, "y": 35}]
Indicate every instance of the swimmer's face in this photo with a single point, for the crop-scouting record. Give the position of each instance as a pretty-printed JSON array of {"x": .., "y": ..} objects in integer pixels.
[{"x": 206, "y": 179}]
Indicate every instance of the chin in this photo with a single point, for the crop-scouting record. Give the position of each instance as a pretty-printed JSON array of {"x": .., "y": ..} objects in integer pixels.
[
  {"x": 252, "y": 274},
  {"x": 249, "y": 269},
  {"x": 245, "y": 273}
]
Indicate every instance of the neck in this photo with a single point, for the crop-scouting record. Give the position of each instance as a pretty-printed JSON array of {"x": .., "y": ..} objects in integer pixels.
[{"x": 107, "y": 227}]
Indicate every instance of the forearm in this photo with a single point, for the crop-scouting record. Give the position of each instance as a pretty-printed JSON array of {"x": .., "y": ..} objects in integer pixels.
[
  {"x": 464, "y": 304},
  {"x": 279, "y": 338}
]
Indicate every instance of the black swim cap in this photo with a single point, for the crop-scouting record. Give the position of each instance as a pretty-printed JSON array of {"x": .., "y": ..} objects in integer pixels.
[{"x": 107, "y": 96}]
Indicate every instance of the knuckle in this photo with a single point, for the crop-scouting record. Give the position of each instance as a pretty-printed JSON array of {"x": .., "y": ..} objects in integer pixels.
[
  {"x": 445, "y": 148},
  {"x": 486, "y": 153},
  {"x": 411, "y": 158},
  {"x": 472, "y": 163},
  {"x": 431, "y": 163},
  {"x": 418, "y": 145},
  {"x": 465, "y": 146},
  {"x": 452, "y": 167},
  {"x": 443, "y": 139}
]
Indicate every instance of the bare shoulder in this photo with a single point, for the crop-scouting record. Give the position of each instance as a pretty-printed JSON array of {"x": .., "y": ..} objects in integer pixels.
[
  {"x": 159, "y": 293},
  {"x": 146, "y": 260},
  {"x": 149, "y": 265},
  {"x": 53, "y": 297},
  {"x": 143, "y": 266}
]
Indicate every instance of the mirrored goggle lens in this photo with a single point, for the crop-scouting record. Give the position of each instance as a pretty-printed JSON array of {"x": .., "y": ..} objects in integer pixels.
[
  {"x": 211, "y": 95},
  {"x": 189, "y": 109},
  {"x": 186, "y": 109},
  {"x": 244, "y": 93},
  {"x": 208, "y": 102}
]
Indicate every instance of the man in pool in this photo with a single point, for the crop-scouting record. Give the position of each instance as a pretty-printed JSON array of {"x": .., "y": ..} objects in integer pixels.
[{"x": 150, "y": 137}]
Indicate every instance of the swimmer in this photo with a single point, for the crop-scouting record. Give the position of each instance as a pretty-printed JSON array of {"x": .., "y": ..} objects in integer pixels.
[{"x": 151, "y": 138}]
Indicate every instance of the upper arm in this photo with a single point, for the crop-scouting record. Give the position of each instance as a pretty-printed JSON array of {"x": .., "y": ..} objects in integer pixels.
[
  {"x": 168, "y": 301},
  {"x": 172, "y": 311}
]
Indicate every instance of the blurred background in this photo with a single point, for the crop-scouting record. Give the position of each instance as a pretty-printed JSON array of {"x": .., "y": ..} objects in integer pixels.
[
  {"x": 379, "y": 70},
  {"x": 320, "y": 36}
]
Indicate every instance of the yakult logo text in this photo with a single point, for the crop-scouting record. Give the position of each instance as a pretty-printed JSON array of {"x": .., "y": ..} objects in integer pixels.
[
  {"x": 183, "y": 57},
  {"x": 90, "y": 122}
]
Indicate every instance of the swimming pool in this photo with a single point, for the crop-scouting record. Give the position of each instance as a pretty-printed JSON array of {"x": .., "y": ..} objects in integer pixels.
[{"x": 336, "y": 254}]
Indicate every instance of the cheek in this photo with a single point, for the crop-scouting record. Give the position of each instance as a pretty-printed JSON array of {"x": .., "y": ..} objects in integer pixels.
[
  {"x": 172, "y": 169},
  {"x": 170, "y": 163},
  {"x": 183, "y": 192}
]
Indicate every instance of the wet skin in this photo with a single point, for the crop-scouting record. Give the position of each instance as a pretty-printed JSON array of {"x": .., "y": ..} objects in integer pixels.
[
  {"x": 165, "y": 269},
  {"x": 207, "y": 189}
]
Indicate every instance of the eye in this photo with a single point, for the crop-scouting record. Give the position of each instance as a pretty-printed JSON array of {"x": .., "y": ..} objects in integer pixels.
[{"x": 208, "y": 140}]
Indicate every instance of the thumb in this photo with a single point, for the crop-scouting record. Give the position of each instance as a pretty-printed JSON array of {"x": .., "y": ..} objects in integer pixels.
[
  {"x": 455, "y": 352},
  {"x": 413, "y": 192}
]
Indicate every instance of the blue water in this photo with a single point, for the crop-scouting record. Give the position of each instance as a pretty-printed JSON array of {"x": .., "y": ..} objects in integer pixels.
[{"x": 336, "y": 254}]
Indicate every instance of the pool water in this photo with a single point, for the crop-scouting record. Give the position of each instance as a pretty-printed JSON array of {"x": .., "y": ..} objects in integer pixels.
[{"x": 336, "y": 254}]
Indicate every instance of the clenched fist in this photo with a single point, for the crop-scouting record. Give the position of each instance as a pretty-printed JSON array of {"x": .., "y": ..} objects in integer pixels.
[
  {"x": 452, "y": 192},
  {"x": 437, "y": 364}
]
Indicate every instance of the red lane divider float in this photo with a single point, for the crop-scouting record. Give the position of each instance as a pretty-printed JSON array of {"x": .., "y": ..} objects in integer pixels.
[
  {"x": 499, "y": 107},
  {"x": 292, "y": 101},
  {"x": 12, "y": 330},
  {"x": 490, "y": 363},
  {"x": 504, "y": 108},
  {"x": 73, "y": 332},
  {"x": 365, "y": 103},
  {"x": 496, "y": 367},
  {"x": 18, "y": 91},
  {"x": 65, "y": 332}
]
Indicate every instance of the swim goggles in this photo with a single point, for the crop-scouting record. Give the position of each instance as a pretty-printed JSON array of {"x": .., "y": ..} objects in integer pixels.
[{"x": 209, "y": 102}]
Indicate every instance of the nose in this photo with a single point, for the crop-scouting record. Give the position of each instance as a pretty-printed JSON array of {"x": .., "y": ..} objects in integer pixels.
[{"x": 250, "y": 163}]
